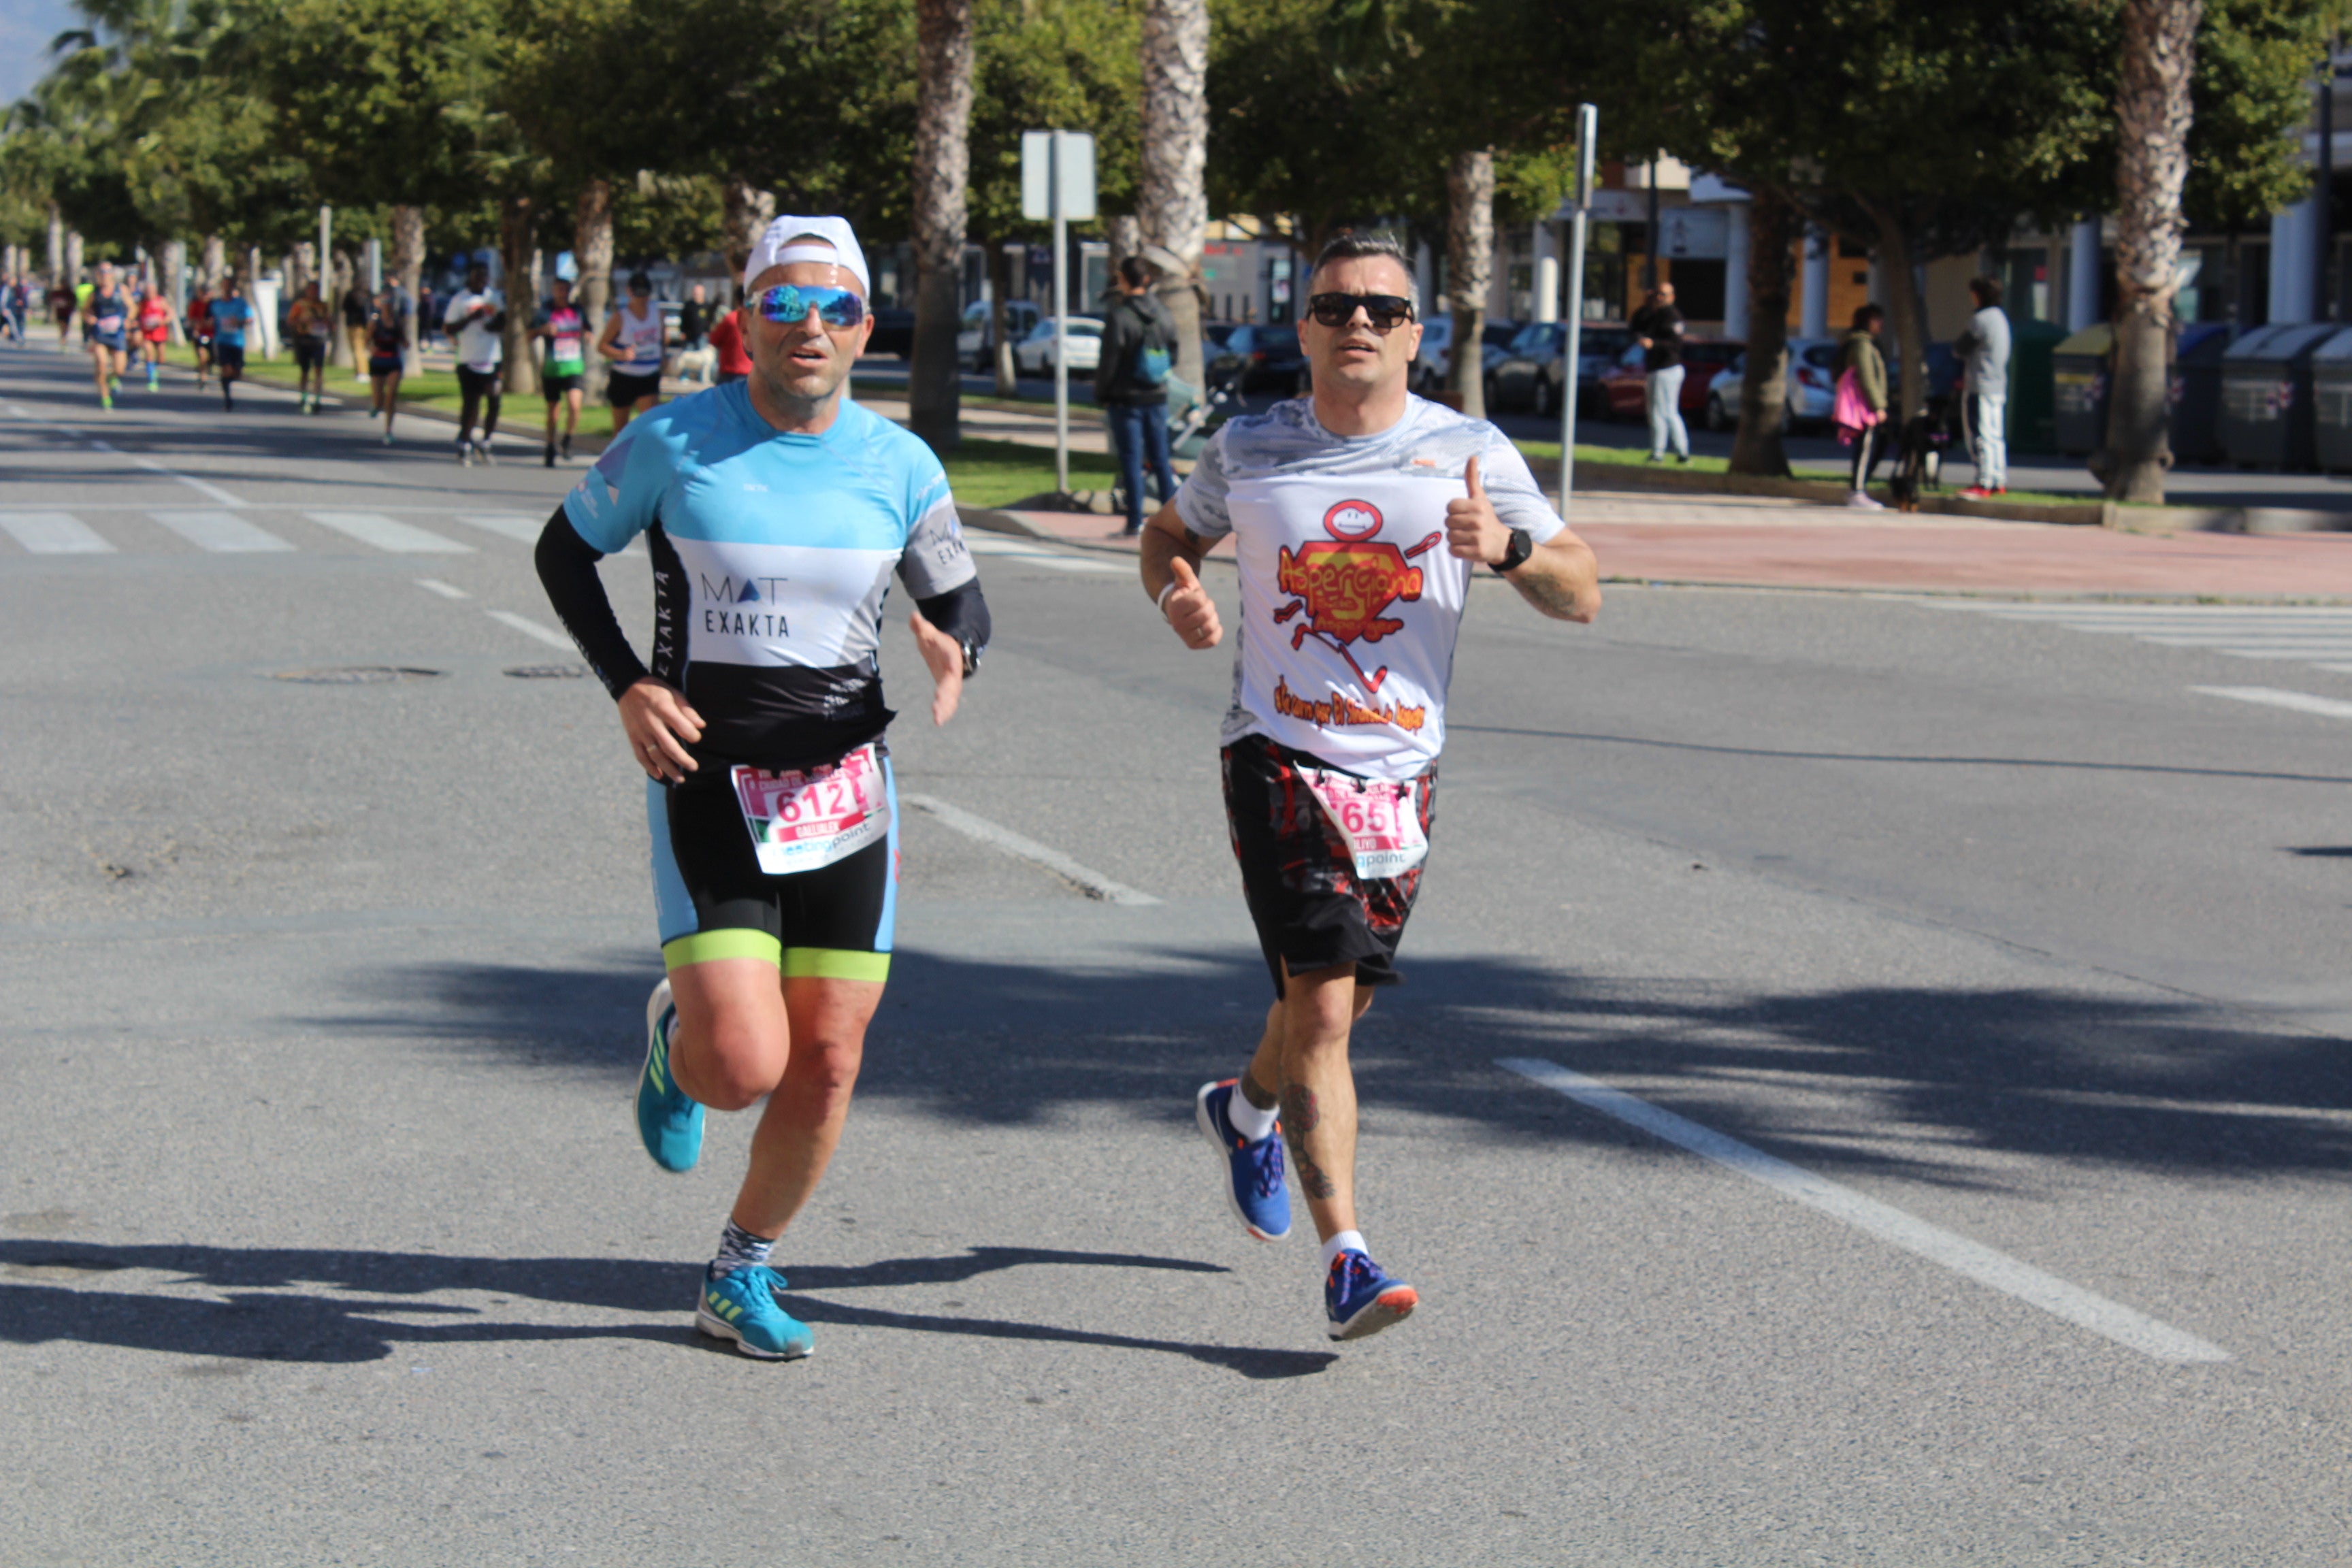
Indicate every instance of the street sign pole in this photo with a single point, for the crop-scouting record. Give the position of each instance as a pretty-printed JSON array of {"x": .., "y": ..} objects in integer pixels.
[
  {"x": 1572, "y": 371},
  {"x": 1061, "y": 309}
]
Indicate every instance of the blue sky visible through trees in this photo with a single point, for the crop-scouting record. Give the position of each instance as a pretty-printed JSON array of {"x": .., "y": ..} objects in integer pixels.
[{"x": 25, "y": 29}]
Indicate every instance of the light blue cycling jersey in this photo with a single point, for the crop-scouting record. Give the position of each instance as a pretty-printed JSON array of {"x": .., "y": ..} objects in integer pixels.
[{"x": 772, "y": 555}]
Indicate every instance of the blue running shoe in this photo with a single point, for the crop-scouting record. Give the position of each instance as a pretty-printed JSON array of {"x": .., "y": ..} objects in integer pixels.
[
  {"x": 669, "y": 1121},
  {"x": 740, "y": 1305},
  {"x": 1254, "y": 1184},
  {"x": 1360, "y": 1298}
]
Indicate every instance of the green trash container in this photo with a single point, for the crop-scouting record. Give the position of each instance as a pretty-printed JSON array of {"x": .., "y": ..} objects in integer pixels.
[
  {"x": 2331, "y": 404},
  {"x": 2032, "y": 391},
  {"x": 2079, "y": 382}
]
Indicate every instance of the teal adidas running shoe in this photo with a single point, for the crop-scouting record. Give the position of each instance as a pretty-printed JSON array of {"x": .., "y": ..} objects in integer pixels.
[
  {"x": 740, "y": 1305},
  {"x": 668, "y": 1120}
]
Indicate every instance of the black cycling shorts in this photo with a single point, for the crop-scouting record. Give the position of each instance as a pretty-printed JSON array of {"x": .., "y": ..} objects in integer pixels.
[
  {"x": 228, "y": 357},
  {"x": 624, "y": 391},
  {"x": 472, "y": 382},
  {"x": 555, "y": 386},
  {"x": 309, "y": 354},
  {"x": 383, "y": 364},
  {"x": 714, "y": 901},
  {"x": 1311, "y": 911}
]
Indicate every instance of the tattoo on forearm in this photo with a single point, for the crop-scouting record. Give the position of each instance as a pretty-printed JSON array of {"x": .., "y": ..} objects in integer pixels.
[
  {"x": 1545, "y": 592},
  {"x": 1300, "y": 1116}
]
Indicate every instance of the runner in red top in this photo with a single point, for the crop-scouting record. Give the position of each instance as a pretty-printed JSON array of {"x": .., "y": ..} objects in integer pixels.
[
  {"x": 1358, "y": 519},
  {"x": 726, "y": 337}
]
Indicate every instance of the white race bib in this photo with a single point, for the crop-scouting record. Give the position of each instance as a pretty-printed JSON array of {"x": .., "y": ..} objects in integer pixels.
[
  {"x": 1381, "y": 820},
  {"x": 803, "y": 821}
]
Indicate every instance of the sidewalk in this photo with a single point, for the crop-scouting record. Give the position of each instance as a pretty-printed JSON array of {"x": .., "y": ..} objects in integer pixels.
[{"x": 1751, "y": 542}]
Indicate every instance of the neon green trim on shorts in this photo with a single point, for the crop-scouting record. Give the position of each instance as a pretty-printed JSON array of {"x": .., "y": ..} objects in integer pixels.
[
  {"x": 728, "y": 941},
  {"x": 835, "y": 963}
]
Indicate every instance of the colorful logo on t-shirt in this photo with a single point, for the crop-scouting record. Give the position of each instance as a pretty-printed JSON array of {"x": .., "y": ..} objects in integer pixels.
[{"x": 1343, "y": 584}]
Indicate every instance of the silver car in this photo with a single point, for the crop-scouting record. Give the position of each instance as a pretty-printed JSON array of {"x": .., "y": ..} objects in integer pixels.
[{"x": 1812, "y": 388}]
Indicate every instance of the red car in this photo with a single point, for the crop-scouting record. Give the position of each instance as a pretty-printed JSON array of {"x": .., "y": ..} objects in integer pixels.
[{"x": 1625, "y": 383}]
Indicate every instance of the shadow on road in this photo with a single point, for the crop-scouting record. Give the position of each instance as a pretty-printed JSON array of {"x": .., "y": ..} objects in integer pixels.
[{"x": 343, "y": 1307}]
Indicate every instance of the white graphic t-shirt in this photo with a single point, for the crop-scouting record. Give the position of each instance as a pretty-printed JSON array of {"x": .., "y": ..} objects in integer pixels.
[{"x": 1350, "y": 604}]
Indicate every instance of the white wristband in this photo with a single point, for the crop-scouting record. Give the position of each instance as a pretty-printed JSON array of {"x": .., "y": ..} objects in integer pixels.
[{"x": 1163, "y": 600}]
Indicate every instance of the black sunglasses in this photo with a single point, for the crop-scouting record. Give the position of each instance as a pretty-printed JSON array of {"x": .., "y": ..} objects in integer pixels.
[{"x": 1386, "y": 312}]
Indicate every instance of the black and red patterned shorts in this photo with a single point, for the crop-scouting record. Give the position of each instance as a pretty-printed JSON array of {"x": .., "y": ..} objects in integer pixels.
[{"x": 1311, "y": 911}]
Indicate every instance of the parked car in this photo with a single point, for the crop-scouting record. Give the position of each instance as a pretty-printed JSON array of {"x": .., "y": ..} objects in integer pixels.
[
  {"x": 1033, "y": 355},
  {"x": 1529, "y": 375},
  {"x": 1626, "y": 383},
  {"x": 1811, "y": 389},
  {"x": 974, "y": 347},
  {"x": 1256, "y": 354},
  {"x": 893, "y": 333},
  {"x": 1434, "y": 364}
]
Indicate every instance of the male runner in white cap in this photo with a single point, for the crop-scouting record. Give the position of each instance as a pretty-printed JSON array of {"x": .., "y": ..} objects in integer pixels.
[{"x": 776, "y": 511}]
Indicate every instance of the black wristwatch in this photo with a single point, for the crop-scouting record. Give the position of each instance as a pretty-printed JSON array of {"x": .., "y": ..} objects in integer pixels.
[
  {"x": 972, "y": 652},
  {"x": 1516, "y": 555}
]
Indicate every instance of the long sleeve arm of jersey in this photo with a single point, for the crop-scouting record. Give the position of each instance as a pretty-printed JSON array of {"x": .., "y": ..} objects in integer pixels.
[
  {"x": 567, "y": 568},
  {"x": 962, "y": 614}
]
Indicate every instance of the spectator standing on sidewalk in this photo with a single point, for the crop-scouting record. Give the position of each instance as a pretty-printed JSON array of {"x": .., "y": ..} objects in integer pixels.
[
  {"x": 1658, "y": 327},
  {"x": 1860, "y": 410},
  {"x": 694, "y": 319},
  {"x": 1138, "y": 349},
  {"x": 1984, "y": 349}
]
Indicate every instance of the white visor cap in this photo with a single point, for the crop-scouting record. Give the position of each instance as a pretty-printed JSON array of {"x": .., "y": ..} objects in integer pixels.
[{"x": 776, "y": 248}]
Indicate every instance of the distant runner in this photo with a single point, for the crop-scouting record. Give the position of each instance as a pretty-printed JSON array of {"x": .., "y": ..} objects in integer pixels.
[
  {"x": 776, "y": 514},
  {"x": 230, "y": 315},
  {"x": 105, "y": 320},
  {"x": 387, "y": 345},
  {"x": 63, "y": 304},
  {"x": 19, "y": 301},
  {"x": 154, "y": 331},
  {"x": 358, "y": 310},
  {"x": 310, "y": 323},
  {"x": 1358, "y": 519},
  {"x": 564, "y": 330},
  {"x": 199, "y": 324},
  {"x": 727, "y": 342},
  {"x": 476, "y": 316},
  {"x": 632, "y": 340}
]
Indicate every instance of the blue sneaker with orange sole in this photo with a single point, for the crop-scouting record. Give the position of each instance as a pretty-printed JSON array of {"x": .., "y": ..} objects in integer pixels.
[
  {"x": 740, "y": 1305},
  {"x": 1255, "y": 1189},
  {"x": 669, "y": 1121},
  {"x": 1360, "y": 1298}
]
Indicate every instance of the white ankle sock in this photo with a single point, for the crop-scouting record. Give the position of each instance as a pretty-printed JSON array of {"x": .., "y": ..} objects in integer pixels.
[
  {"x": 1248, "y": 1119},
  {"x": 1343, "y": 1242}
]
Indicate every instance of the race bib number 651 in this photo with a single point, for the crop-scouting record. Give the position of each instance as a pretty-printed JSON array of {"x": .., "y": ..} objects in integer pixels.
[{"x": 1380, "y": 820}]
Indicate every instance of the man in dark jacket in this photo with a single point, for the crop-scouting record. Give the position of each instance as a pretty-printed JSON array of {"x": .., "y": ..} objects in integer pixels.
[
  {"x": 1658, "y": 327},
  {"x": 1139, "y": 348}
]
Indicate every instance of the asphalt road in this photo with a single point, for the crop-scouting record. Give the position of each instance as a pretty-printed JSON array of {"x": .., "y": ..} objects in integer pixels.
[{"x": 1927, "y": 1143}]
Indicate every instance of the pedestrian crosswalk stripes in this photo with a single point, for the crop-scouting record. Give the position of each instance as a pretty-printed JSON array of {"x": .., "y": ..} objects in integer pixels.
[
  {"x": 2316, "y": 634},
  {"x": 520, "y": 526},
  {"x": 54, "y": 533},
  {"x": 220, "y": 530},
  {"x": 386, "y": 534}
]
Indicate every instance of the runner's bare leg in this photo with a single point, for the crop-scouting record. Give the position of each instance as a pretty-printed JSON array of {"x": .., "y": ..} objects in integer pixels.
[{"x": 1304, "y": 1052}]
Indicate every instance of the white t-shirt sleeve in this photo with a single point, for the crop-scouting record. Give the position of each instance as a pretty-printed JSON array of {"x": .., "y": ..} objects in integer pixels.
[
  {"x": 1512, "y": 489},
  {"x": 1201, "y": 498}
]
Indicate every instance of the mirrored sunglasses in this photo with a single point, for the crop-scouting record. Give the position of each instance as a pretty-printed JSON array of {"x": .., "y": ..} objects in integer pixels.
[
  {"x": 790, "y": 302},
  {"x": 1384, "y": 311}
]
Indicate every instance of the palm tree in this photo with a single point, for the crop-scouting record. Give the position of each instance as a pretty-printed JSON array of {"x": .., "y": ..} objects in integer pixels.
[
  {"x": 1174, "y": 203},
  {"x": 1470, "y": 267},
  {"x": 943, "y": 62},
  {"x": 2152, "y": 112}
]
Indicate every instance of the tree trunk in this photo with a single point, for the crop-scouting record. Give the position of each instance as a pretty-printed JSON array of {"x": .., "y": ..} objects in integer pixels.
[
  {"x": 73, "y": 257},
  {"x": 1470, "y": 266},
  {"x": 342, "y": 271},
  {"x": 1906, "y": 312},
  {"x": 408, "y": 268},
  {"x": 2152, "y": 107},
  {"x": 302, "y": 264},
  {"x": 592, "y": 251},
  {"x": 1773, "y": 225},
  {"x": 215, "y": 261},
  {"x": 175, "y": 286},
  {"x": 520, "y": 372},
  {"x": 942, "y": 167},
  {"x": 57, "y": 245},
  {"x": 1125, "y": 232},
  {"x": 1000, "y": 284},
  {"x": 748, "y": 213},
  {"x": 1173, "y": 207}
]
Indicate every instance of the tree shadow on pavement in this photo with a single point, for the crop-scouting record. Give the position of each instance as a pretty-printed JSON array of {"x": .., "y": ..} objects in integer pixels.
[
  {"x": 293, "y": 1305},
  {"x": 2137, "y": 1080}
]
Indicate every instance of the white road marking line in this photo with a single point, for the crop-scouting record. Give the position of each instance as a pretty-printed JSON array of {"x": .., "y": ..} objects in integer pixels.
[
  {"x": 384, "y": 534},
  {"x": 447, "y": 591},
  {"x": 2271, "y": 697},
  {"x": 205, "y": 488},
  {"x": 1037, "y": 554},
  {"x": 55, "y": 533},
  {"x": 529, "y": 627},
  {"x": 518, "y": 526},
  {"x": 2009, "y": 1276},
  {"x": 1094, "y": 884},
  {"x": 220, "y": 532}
]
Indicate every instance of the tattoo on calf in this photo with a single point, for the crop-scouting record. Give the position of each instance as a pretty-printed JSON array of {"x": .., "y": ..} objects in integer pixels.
[
  {"x": 1255, "y": 1093},
  {"x": 1300, "y": 1116}
]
